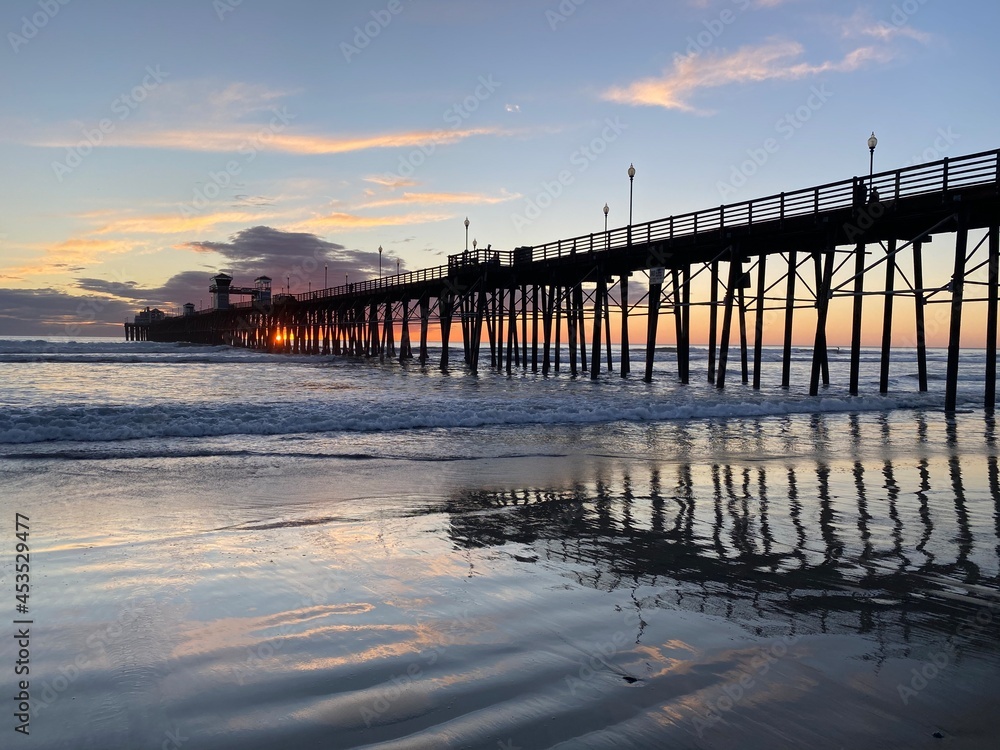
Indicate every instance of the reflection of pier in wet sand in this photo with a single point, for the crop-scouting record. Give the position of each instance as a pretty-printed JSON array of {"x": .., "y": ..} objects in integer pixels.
[{"x": 882, "y": 545}]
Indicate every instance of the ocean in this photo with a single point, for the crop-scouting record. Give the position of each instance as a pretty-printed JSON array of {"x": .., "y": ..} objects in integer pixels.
[{"x": 229, "y": 549}]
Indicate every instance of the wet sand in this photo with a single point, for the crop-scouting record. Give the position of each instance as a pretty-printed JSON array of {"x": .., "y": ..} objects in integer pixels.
[{"x": 815, "y": 581}]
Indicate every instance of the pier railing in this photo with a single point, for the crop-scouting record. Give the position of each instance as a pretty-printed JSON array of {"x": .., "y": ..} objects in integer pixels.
[{"x": 942, "y": 176}]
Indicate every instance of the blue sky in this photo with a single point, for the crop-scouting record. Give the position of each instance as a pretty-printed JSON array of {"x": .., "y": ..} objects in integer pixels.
[{"x": 147, "y": 145}]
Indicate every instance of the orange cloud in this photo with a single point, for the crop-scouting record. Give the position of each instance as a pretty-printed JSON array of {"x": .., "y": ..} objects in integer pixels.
[
  {"x": 177, "y": 223},
  {"x": 353, "y": 221},
  {"x": 443, "y": 198},
  {"x": 692, "y": 73},
  {"x": 241, "y": 139}
]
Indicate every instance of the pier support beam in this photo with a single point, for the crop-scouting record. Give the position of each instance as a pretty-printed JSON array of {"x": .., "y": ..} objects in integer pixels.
[
  {"x": 534, "y": 328},
  {"x": 425, "y": 316},
  {"x": 599, "y": 305},
  {"x": 991, "y": 319},
  {"x": 786, "y": 355},
  {"x": 653, "y": 314},
  {"x": 859, "y": 287},
  {"x": 625, "y": 366},
  {"x": 445, "y": 307},
  {"x": 822, "y": 310},
  {"x": 713, "y": 321},
  {"x": 758, "y": 333},
  {"x": 890, "y": 284},
  {"x": 957, "y": 297},
  {"x": 735, "y": 279},
  {"x": 919, "y": 305}
]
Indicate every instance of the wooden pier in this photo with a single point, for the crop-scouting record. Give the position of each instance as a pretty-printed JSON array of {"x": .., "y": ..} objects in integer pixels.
[{"x": 783, "y": 255}]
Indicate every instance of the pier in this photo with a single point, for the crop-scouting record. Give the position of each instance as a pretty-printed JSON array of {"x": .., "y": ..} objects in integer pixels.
[{"x": 551, "y": 307}]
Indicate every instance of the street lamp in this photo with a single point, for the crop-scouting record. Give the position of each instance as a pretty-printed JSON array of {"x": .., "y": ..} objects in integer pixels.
[
  {"x": 326, "y": 280},
  {"x": 631, "y": 177},
  {"x": 288, "y": 285},
  {"x": 380, "y": 261},
  {"x": 872, "y": 143},
  {"x": 397, "y": 266},
  {"x": 466, "y": 234},
  {"x": 474, "y": 245},
  {"x": 607, "y": 237}
]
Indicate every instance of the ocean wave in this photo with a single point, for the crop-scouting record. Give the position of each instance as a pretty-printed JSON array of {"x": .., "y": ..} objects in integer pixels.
[{"x": 119, "y": 423}]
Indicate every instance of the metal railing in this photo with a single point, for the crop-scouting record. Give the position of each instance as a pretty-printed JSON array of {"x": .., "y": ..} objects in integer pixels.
[{"x": 941, "y": 176}]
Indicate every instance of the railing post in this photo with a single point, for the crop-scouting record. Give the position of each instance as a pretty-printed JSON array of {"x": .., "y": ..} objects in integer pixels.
[
  {"x": 781, "y": 214},
  {"x": 899, "y": 173},
  {"x": 944, "y": 169}
]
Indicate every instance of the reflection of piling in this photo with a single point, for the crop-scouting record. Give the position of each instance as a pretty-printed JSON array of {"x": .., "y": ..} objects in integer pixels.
[{"x": 772, "y": 538}]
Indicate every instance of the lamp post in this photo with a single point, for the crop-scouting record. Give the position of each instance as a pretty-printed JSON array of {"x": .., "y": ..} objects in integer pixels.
[
  {"x": 474, "y": 246},
  {"x": 466, "y": 234},
  {"x": 626, "y": 366},
  {"x": 326, "y": 280},
  {"x": 397, "y": 266},
  {"x": 380, "y": 261},
  {"x": 631, "y": 178},
  {"x": 346, "y": 280},
  {"x": 288, "y": 285},
  {"x": 607, "y": 237},
  {"x": 872, "y": 143}
]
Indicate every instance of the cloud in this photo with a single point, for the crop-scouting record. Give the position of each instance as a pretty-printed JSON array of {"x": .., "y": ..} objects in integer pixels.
[
  {"x": 39, "y": 312},
  {"x": 175, "y": 223},
  {"x": 512, "y": 107},
  {"x": 354, "y": 221},
  {"x": 245, "y": 138},
  {"x": 391, "y": 181},
  {"x": 443, "y": 198},
  {"x": 861, "y": 24},
  {"x": 282, "y": 254},
  {"x": 68, "y": 256},
  {"x": 775, "y": 60},
  {"x": 298, "y": 259},
  {"x": 265, "y": 245},
  {"x": 124, "y": 289}
]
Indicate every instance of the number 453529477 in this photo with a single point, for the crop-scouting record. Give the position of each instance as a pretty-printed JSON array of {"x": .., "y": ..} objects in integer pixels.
[{"x": 22, "y": 561}]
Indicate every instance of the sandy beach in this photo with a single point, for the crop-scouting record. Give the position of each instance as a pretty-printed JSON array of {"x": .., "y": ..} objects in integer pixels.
[{"x": 814, "y": 580}]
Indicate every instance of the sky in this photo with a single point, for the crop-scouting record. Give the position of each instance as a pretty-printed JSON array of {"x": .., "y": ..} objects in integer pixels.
[{"x": 146, "y": 146}]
